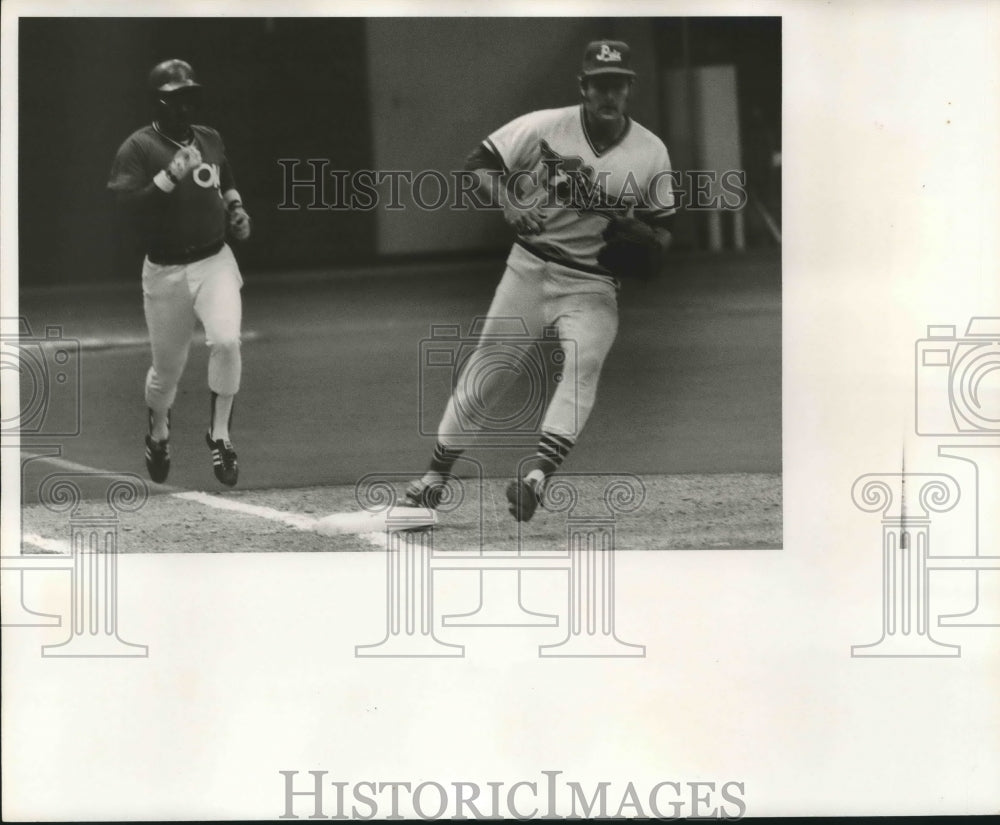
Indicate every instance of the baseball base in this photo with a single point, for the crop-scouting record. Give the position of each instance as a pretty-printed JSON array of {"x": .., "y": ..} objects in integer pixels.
[{"x": 396, "y": 518}]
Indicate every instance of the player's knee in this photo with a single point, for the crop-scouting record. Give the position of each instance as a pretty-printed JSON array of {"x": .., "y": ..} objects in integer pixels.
[
  {"x": 588, "y": 367},
  {"x": 226, "y": 345},
  {"x": 164, "y": 376}
]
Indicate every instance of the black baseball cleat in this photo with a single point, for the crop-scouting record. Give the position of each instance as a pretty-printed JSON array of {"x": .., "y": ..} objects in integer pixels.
[
  {"x": 157, "y": 459},
  {"x": 157, "y": 452},
  {"x": 420, "y": 493},
  {"x": 523, "y": 497},
  {"x": 223, "y": 460}
]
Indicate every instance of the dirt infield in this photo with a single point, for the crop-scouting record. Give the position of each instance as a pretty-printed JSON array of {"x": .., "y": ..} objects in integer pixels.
[{"x": 719, "y": 511}]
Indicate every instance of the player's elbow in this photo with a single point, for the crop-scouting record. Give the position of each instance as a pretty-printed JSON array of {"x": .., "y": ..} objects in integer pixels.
[{"x": 127, "y": 198}]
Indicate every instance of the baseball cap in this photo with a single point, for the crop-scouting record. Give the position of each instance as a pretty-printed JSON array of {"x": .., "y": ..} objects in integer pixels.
[
  {"x": 607, "y": 57},
  {"x": 171, "y": 75}
]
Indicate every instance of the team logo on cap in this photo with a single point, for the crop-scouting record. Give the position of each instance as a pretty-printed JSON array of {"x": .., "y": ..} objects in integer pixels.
[{"x": 607, "y": 54}]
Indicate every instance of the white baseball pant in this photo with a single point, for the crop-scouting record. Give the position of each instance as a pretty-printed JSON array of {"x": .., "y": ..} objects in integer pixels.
[
  {"x": 174, "y": 296},
  {"x": 584, "y": 312}
]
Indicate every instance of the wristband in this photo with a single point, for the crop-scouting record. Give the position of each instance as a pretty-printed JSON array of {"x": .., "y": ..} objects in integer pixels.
[
  {"x": 232, "y": 199},
  {"x": 165, "y": 181}
]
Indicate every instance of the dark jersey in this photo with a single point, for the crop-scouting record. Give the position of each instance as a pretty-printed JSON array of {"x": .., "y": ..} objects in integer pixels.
[{"x": 193, "y": 215}]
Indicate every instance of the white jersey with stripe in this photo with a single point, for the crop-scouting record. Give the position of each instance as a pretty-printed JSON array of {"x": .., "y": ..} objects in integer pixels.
[{"x": 553, "y": 161}]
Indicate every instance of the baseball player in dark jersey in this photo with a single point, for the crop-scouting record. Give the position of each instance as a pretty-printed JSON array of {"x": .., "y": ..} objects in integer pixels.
[
  {"x": 598, "y": 208},
  {"x": 174, "y": 178}
]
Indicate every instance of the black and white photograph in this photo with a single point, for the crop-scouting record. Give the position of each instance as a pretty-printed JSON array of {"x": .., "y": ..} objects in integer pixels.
[
  {"x": 347, "y": 240},
  {"x": 528, "y": 413}
]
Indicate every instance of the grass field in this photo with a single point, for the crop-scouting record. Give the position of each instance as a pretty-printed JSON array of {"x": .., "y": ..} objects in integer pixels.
[{"x": 333, "y": 389}]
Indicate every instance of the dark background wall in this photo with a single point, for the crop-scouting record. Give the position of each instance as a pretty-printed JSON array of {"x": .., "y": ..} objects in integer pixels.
[
  {"x": 274, "y": 88},
  {"x": 375, "y": 93},
  {"x": 437, "y": 91}
]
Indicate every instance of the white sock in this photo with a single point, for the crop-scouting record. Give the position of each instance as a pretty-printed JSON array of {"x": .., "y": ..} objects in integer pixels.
[
  {"x": 160, "y": 430},
  {"x": 222, "y": 408},
  {"x": 536, "y": 475},
  {"x": 432, "y": 477}
]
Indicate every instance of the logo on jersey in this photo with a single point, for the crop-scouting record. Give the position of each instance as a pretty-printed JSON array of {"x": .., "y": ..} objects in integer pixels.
[
  {"x": 607, "y": 54},
  {"x": 572, "y": 183},
  {"x": 207, "y": 176}
]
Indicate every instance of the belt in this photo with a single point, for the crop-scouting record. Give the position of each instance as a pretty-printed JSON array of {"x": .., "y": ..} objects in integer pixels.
[
  {"x": 184, "y": 256},
  {"x": 555, "y": 259}
]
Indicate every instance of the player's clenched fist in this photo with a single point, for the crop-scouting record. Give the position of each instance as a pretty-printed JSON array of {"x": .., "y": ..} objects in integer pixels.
[
  {"x": 525, "y": 220},
  {"x": 186, "y": 159},
  {"x": 239, "y": 222}
]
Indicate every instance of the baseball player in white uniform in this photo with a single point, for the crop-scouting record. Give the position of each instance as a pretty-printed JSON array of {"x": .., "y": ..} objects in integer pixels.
[
  {"x": 175, "y": 179},
  {"x": 587, "y": 190}
]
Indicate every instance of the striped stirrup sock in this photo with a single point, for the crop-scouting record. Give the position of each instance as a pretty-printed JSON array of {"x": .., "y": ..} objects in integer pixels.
[
  {"x": 444, "y": 458},
  {"x": 552, "y": 450}
]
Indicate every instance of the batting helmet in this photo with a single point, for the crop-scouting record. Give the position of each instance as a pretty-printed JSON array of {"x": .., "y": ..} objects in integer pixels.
[{"x": 171, "y": 75}]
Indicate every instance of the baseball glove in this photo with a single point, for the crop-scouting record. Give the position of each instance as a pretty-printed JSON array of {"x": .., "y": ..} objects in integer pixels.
[{"x": 631, "y": 249}]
